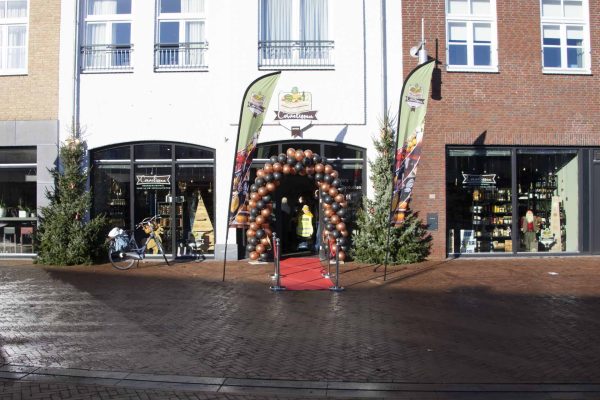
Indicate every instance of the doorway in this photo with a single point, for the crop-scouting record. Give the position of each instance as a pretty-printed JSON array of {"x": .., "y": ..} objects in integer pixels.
[{"x": 595, "y": 187}]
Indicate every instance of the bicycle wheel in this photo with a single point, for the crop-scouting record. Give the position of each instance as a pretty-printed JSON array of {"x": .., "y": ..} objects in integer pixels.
[
  {"x": 162, "y": 251},
  {"x": 118, "y": 258}
]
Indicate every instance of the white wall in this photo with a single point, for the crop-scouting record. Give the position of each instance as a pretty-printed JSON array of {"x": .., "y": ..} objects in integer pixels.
[{"x": 202, "y": 108}]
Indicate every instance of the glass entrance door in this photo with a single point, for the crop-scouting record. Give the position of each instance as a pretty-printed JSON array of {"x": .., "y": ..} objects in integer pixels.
[{"x": 153, "y": 196}]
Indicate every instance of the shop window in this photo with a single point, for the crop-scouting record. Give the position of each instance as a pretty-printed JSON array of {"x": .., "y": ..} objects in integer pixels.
[
  {"x": 154, "y": 151},
  {"x": 18, "y": 200},
  {"x": 342, "y": 151},
  {"x": 548, "y": 196},
  {"x": 266, "y": 151},
  {"x": 110, "y": 190},
  {"x": 192, "y": 153},
  {"x": 114, "y": 153},
  {"x": 479, "y": 201}
]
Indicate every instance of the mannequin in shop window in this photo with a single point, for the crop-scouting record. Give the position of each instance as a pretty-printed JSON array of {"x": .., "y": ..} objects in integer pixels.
[{"x": 530, "y": 227}]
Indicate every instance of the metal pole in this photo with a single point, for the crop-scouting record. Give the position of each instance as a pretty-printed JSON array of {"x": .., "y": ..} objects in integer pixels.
[
  {"x": 277, "y": 287},
  {"x": 276, "y": 273},
  {"x": 327, "y": 274},
  {"x": 336, "y": 287}
]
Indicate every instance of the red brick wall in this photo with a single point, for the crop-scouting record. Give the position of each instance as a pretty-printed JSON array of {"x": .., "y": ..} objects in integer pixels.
[{"x": 518, "y": 105}]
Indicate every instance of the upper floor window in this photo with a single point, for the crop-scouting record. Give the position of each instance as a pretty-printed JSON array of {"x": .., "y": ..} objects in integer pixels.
[
  {"x": 107, "y": 35},
  {"x": 471, "y": 35},
  {"x": 14, "y": 25},
  {"x": 565, "y": 36},
  {"x": 181, "y": 35},
  {"x": 295, "y": 34}
]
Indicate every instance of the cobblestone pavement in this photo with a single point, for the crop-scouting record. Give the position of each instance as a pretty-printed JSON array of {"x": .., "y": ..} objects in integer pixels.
[{"x": 460, "y": 321}]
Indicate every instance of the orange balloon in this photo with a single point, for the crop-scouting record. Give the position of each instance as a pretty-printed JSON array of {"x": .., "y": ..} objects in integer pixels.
[
  {"x": 254, "y": 226},
  {"x": 344, "y": 233},
  {"x": 308, "y": 153},
  {"x": 260, "y": 173},
  {"x": 319, "y": 167},
  {"x": 259, "y": 220},
  {"x": 252, "y": 204},
  {"x": 333, "y": 191},
  {"x": 290, "y": 152},
  {"x": 262, "y": 191},
  {"x": 328, "y": 169},
  {"x": 344, "y": 204},
  {"x": 334, "y": 174},
  {"x": 255, "y": 196},
  {"x": 342, "y": 255},
  {"x": 265, "y": 242},
  {"x": 271, "y": 187},
  {"x": 341, "y": 226},
  {"x": 277, "y": 167},
  {"x": 299, "y": 155},
  {"x": 334, "y": 219},
  {"x": 325, "y": 186},
  {"x": 268, "y": 168},
  {"x": 250, "y": 233},
  {"x": 339, "y": 198},
  {"x": 329, "y": 212},
  {"x": 265, "y": 212},
  {"x": 254, "y": 255},
  {"x": 286, "y": 169},
  {"x": 260, "y": 248}
]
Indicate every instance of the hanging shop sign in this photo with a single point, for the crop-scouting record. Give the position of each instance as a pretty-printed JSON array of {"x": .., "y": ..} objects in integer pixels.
[
  {"x": 479, "y": 179},
  {"x": 153, "y": 181},
  {"x": 295, "y": 109}
]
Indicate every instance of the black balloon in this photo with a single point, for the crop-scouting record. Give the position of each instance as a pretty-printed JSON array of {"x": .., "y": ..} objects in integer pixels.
[
  {"x": 260, "y": 204},
  {"x": 329, "y": 227},
  {"x": 326, "y": 220},
  {"x": 250, "y": 248},
  {"x": 327, "y": 178},
  {"x": 335, "y": 183},
  {"x": 327, "y": 199},
  {"x": 343, "y": 240},
  {"x": 266, "y": 198},
  {"x": 316, "y": 158},
  {"x": 252, "y": 241},
  {"x": 336, "y": 206},
  {"x": 274, "y": 159},
  {"x": 291, "y": 161},
  {"x": 264, "y": 256},
  {"x": 253, "y": 188},
  {"x": 259, "y": 182},
  {"x": 252, "y": 218},
  {"x": 253, "y": 213},
  {"x": 269, "y": 178},
  {"x": 344, "y": 248},
  {"x": 336, "y": 234},
  {"x": 306, "y": 161},
  {"x": 260, "y": 233},
  {"x": 318, "y": 176},
  {"x": 342, "y": 189},
  {"x": 282, "y": 158},
  {"x": 341, "y": 212},
  {"x": 298, "y": 167},
  {"x": 277, "y": 176}
]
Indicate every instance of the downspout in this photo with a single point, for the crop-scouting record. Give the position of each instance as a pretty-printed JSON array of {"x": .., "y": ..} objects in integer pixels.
[
  {"x": 76, "y": 72},
  {"x": 384, "y": 58}
]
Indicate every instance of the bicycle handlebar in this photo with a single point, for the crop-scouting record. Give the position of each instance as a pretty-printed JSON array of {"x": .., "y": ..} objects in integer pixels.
[{"x": 147, "y": 220}]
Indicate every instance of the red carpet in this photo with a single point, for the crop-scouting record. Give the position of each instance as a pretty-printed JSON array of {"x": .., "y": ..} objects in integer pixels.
[{"x": 303, "y": 273}]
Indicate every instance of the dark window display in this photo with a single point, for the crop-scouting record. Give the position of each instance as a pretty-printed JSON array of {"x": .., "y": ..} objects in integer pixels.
[
  {"x": 548, "y": 198},
  {"x": 479, "y": 201},
  {"x": 110, "y": 189},
  {"x": 18, "y": 200}
]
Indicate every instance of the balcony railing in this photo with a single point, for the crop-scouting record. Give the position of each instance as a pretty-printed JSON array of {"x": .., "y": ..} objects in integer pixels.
[
  {"x": 107, "y": 57},
  {"x": 317, "y": 54},
  {"x": 180, "y": 56}
]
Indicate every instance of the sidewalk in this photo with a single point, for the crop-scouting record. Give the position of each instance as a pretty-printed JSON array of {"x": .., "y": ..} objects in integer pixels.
[{"x": 432, "y": 330}]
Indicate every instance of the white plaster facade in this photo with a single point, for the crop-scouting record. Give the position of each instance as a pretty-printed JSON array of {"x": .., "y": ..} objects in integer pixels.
[{"x": 202, "y": 108}]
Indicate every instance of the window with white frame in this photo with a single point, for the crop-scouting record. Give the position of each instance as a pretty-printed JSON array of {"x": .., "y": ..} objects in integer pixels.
[
  {"x": 107, "y": 35},
  {"x": 295, "y": 34},
  {"x": 14, "y": 24},
  {"x": 181, "y": 35},
  {"x": 565, "y": 36},
  {"x": 471, "y": 35}
]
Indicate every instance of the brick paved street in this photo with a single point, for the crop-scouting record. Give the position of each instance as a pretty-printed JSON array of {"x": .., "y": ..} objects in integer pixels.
[{"x": 457, "y": 322}]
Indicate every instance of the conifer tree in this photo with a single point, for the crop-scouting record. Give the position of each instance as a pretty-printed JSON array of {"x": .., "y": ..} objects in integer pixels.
[
  {"x": 409, "y": 242},
  {"x": 66, "y": 236}
]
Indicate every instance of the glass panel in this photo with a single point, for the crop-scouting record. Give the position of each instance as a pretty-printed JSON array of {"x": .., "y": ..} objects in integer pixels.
[
  {"x": 152, "y": 151},
  {"x": 551, "y": 8},
  {"x": 185, "y": 152},
  {"x": 16, "y": 9},
  {"x": 574, "y": 58},
  {"x": 551, "y": 35},
  {"x": 574, "y": 36},
  {"x": 552, "y": 57},
  {"x": 153, "y": 196},
  {"x": 18, "y": 209},
  {"x": 170, "y": 6},
  {"x": 341, "y": 151},
  {"x": 121, "y": 33},
  {"x": 458, "y": 7},
  {"x": 548, "y": 201},
  {"x": 192, "y": 6},
  {"x": 482, "y": 55},
  {"x": 267, "y": 151},
  {"x": 169, "y": 32},
  {"x": 573, "y": 9},
  {"x": 479, "y": 192},
  {"x": 108, "y": 7},
  {"x": 480, "y": 7},
  {"x": 482, "y": 33},
  {"x": 458, "y": 54},
  {"x": 114, "y": 153},
  {"x": 111, "y": 197},
  {"x": 16, "y": 52},
  {"x": 2, "y": 9},
  {"x": 18, "y": 155},
  {"x": 194, "y": 188},
  {"x": 458, "y": 32}
]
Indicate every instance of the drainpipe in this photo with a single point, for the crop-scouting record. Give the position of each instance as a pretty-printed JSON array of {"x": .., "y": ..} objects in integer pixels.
[
  {"x": 384, "y": 58},
  {"x": 76, "y": 72}
]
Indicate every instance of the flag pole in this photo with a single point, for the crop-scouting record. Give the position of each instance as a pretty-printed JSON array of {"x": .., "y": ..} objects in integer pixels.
[{"x": 237, "y": 141}]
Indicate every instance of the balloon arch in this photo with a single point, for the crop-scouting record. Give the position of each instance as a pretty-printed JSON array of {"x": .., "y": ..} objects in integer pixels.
[{"x": 268, "y": 178}]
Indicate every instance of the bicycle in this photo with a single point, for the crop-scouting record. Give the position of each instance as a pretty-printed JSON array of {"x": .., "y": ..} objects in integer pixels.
[{"x": 123, "y": 250}]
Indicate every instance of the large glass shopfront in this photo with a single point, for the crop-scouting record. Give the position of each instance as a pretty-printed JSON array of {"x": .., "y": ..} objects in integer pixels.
[
  {"x": 515, "y": 200},
  {"x": 18, "y": 199},
  {"x": 172, "y": 181}
]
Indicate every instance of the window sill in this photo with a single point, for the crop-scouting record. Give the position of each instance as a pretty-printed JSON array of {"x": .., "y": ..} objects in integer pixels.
[
  {"x": 484, "y": 70},
  {"x": 14, "y": 73},
  {"x": 180, "y": 69},
  {"x": 107, "y": 71},
  {"x": 565, "y": 71},
  {"x": 296, "y": 68}
]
